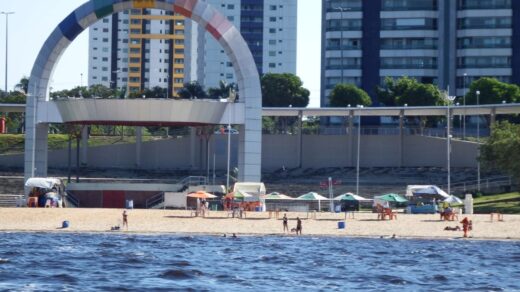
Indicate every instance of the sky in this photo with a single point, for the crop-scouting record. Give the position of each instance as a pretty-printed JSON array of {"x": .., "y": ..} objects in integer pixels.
[{"x": 34, "y": 20}]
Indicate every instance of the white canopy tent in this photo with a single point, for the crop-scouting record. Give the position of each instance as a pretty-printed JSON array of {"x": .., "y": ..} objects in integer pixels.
[{"x": 411, "y": 190}]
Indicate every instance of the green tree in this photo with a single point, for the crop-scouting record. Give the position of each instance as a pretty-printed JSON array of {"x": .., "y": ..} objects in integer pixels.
[
  {"x": 223, "y": 90},
  {"x": 492, "y": 91},
  {"x": 348, "y": 94},
  {"x": 409, "y": 91},
  {"x": 502, "y": 149},
  {"x": 155, "y": 92},
  {"x": 99, "y": 90},
  {"x": 282, "y": 90},
  {"x": 192, "y": 90}
]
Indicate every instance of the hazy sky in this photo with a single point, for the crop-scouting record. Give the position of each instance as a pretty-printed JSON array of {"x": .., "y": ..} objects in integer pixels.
[{"x": 34, "y": 20}]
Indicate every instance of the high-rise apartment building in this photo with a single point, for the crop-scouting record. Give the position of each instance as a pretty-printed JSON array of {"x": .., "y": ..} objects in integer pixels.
[
  {"x": 143, "y": 48},
  {"x": 138, "y": 49},
  {"x": 446, "y": 42},
  {"x": 269, "y": 28}
]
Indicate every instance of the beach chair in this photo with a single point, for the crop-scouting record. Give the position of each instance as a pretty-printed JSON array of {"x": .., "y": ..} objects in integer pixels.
[{"x": 390, "y": 213}]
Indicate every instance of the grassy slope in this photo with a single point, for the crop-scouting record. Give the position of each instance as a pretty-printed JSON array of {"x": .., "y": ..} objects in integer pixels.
[
  {"x": 503, "y": 203},
  {"x": 10, "y": 144}
]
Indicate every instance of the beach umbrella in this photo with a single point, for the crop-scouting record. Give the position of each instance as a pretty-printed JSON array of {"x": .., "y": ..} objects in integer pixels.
[
  {"x": 238, "y": 195},
  {"x": 42, "y": 182},
  {"x": 453, "y": 200},
  {"x": 201, "y": 195},
  {"x": 277, "y": 196},
  {"x": 392, "y": 198}
]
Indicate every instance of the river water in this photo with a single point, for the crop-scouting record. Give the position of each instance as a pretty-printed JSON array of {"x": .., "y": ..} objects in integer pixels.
[{"x": 87, "y": 262}]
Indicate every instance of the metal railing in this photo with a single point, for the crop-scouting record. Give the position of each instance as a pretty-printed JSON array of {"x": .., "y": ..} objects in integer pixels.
[
  {"x": 487, "y": 184},
  {"x": 193, "y": 181},
  {"x": 72, "y": 199},
  {"x": 155, "y": 200}
]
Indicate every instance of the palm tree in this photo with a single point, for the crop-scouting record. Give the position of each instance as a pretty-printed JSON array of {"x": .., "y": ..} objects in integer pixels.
[{"x": 23, "y": 85}]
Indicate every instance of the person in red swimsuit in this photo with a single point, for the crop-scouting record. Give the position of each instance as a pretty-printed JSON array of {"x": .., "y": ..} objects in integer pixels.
[{"x": 465, "y": 226}]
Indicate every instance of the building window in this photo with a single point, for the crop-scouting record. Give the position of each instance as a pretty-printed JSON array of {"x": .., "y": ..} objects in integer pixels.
[
  {"x": 231, "y": 6},
  {"x": 104, "y": 69},
  {"x": 272, "y": 7},
  {"x": 104, "y": 59},
  {"x": 272, "y": 65},
  {"x": 105, "y": 20},
  {"x": 272, "y": 19},
  {"x": 104, "y": 78},
  {"x": 105, "y": 40}
]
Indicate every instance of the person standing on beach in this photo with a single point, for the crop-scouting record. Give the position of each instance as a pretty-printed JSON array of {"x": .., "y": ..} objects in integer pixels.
[
  {"x": 298, "y": 226},
  {"x": 285, "y": 225},
  {"x": 465, "y": 226},
  {"x": 125, "y": 219}
]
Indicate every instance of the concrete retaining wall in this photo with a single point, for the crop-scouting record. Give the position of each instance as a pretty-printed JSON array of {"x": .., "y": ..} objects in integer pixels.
[{"x": 277, "y": 151}]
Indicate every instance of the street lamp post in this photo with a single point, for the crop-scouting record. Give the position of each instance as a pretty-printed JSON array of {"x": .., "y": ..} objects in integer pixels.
[
  {"x": 448, "y": 137},
  {"x": 478, "y": 142},
  {"x": 464, "y": 103},
  {"x": 6, "y": 43},
  {"x": 358, "y": 150},
  {"x": 228, "y": 146}
]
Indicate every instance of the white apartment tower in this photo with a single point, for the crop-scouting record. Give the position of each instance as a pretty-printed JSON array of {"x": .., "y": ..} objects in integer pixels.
[{"x": 144, "y": 48}]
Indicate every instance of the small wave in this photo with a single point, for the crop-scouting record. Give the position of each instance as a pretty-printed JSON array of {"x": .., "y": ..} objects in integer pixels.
[
  {"x": 4, "y": 261},
  {"x": 181, "y": 263},
  {"x": 394, "y": 280},
  {"x": 64, "y": 278},
  {"x": 180, "y": 274},
  {"x": 440, "y": 278}
]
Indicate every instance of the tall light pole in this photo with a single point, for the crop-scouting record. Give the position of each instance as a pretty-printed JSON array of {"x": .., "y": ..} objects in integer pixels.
[
  {"x": 358, "y": 148},
  {"x": 228, "y": 145},
  {"x": 464, "y": 103},
  {"x": 450, "y": 99},
  {"x": 6, "y": 43},
  {"x": 478, "y": 142}
]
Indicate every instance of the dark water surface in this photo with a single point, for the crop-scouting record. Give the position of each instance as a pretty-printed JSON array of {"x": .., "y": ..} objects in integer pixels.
[{"x": 58, "y": 261}]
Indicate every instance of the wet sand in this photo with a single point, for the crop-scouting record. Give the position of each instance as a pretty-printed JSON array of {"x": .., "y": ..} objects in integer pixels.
[{"x": 255, "y": 223}]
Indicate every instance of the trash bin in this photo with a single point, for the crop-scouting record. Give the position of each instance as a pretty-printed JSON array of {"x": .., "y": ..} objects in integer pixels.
[
  {"x": 65, "y": 224},
  {"x": 129, "y": 204},
  {"x": 341, "y": 225},
  {"x": 258, "y": 209}
]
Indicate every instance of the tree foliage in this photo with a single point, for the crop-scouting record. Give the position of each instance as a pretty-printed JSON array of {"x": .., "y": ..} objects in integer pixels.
[
  {"x": 409, "y": 91},
  {"x": 344, "y": 95},
  {"x": 224, "y": 90},
  {"x": 502, "y": 149},
  {"x": 283, "y": 90},
  {"x": 23, "y": 85},
  {"x": 192, "y": 90},
  {"x": 492, "y": 91}
]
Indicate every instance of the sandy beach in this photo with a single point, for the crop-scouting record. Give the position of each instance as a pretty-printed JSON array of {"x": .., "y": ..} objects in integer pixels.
[{"x": 256, "y": 223}]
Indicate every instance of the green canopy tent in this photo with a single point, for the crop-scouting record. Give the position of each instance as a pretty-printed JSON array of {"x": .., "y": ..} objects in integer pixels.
[
  {"x": 277, "y": 196},
  {"x": 313, "y": 196},
  {"x": 386, "y": 200}
]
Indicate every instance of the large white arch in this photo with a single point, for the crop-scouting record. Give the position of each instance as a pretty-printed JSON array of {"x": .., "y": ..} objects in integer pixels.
[{"x": 249, "y": 157}]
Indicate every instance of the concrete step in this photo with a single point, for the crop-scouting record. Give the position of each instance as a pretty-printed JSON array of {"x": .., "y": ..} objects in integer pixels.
[{"x": 7, "y": 201}]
